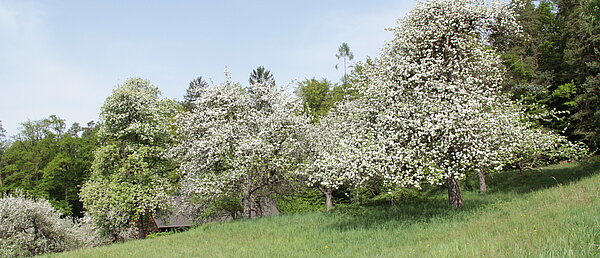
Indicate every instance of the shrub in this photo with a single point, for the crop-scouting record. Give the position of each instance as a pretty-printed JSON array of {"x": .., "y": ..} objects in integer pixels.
[
  {"x": 165, "y": 233},
  {"x": 32, "y": 226},
  {"x": 305, "y": 200}
]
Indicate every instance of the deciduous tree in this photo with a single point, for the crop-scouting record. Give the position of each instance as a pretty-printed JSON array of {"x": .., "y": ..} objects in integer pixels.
[
  {"x": 432, "y": 109},
  {"x": 48, "y": 162},
  {"x": 316, "y": 96},
  {"x": 129, "y": 173},
  {"x": 240, "y": 143}
]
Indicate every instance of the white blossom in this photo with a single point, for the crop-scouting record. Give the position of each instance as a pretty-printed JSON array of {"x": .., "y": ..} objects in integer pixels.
[
  {"x": 432, "y": 108},
  {"x": 239, "y": 142}
]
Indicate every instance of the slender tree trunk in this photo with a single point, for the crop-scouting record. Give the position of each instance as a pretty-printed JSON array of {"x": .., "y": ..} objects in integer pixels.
[
  {"x": 454, "y": 196},
  {"x": 1, "y": 169},
  {"x": 328, "y": 197},
  {"x": 345, "y": 74},
  {"x": 356, "y": 196},
  {"x": 141, "y": 228},
  {"x": 249, "y": 203},
  {"x": 520, "y": 167},
  {"x": 482, "y": 183}
]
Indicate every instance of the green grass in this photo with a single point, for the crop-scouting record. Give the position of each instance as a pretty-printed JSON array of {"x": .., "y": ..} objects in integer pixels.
[{"x": 551, "y": 212}]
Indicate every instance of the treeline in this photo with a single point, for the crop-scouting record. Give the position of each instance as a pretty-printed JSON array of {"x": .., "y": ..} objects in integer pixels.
[
  {"x": 50, "y": 161},
  {"x": 463, "y": 89},
  {"x": 553, "y": 64}
]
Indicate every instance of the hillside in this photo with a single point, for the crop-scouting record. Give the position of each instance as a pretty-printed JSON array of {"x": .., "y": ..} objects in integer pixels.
[{"x": 553, "y": 211}]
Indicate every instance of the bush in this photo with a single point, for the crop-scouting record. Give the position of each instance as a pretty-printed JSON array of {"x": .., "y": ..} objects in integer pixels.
[
  {"x": 304, "y": 200},
  {"x": 31, "y": 227},
  {"x": 165, "y": 233}
]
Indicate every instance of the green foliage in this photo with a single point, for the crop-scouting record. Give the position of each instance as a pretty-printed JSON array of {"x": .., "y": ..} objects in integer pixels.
[
  {"x": 519, "y": 68},
  {"x": 227, "y": 205},
  {"x": 554, "y": 66},
  {"x": 566, "y": 92},
  {"x": 129, "y": 178},
  {"x": 302, "y": 201},
  {"x": 49, "y": 162},
  {"x": 517, "y": 219},
  {"x": 161, "y": 234},
  {"x": 316, "y": 96},
  {"x": 586, "y": 51},
  {"x": 319, "y": 96}
]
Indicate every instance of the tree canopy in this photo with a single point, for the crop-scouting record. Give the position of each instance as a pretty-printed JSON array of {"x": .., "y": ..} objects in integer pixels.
[
  {"x": 129, "y": 179},
  {"x": 239, "y": 143}
]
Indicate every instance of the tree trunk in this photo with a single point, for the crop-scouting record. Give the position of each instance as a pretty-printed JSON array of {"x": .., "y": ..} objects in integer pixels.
[
  {"x": 328, "y": 197},
  {"x": 520, "y": 167},
  {"x": 141, "y": 228},
  {"x": 482, "y": 183},
  {"x": 356, "y": 196},
  {"x": 454, "y": 196},
  {"x": 250, "y": 209}
]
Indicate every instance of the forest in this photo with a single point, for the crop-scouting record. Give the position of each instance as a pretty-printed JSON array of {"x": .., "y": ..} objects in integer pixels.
[{"x": 465, "y": 90}]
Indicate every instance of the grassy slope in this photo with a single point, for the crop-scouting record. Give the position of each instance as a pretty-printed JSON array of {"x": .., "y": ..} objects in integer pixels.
[{"x": 519, "y": 217}]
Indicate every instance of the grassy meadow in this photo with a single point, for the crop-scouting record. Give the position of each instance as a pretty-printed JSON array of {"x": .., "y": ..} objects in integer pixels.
[{"x": 549, "y": 212}]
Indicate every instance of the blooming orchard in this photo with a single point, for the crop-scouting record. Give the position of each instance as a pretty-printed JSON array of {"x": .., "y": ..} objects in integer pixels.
[
  {"x": 432, "y": 110},
  {"x": 239, "y": 143},
  {"x": 333, "y": 151}
]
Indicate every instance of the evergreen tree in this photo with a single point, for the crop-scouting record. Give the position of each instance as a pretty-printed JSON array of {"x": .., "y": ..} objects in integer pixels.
[
  {"x": 554, "y": 68},
  {"x": 581, "y": 21},
  {"x": 261, "y": 75},
  {"x": 194, "y": 90},
  {"x": 346, "y": 55}
]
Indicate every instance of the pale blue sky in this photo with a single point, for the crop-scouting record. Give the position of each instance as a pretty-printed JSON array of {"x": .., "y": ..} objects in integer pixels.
[{"x": 65, "y": 57}]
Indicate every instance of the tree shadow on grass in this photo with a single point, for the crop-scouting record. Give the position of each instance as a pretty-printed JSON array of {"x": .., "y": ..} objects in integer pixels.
[
  {"x": 379, "y": 214},
  {"x": 542, "y": 178},
  {"x": 434, "y": 206}
]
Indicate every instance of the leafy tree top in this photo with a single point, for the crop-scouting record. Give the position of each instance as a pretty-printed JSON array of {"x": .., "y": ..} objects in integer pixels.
[
  {"x": 431, "y": 109},
  {"x": 135, "y": 113}
]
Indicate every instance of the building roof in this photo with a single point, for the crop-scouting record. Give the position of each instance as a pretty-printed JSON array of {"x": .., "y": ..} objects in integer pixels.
[{"x": 180, "y": 217}]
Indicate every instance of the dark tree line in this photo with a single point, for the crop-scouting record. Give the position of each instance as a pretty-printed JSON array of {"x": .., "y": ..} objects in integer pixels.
[{"x": 556, "y": 64}]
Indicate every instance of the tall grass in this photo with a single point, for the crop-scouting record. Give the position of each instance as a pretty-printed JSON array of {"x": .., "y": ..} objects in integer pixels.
[{"x": 551, "y": 212}]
